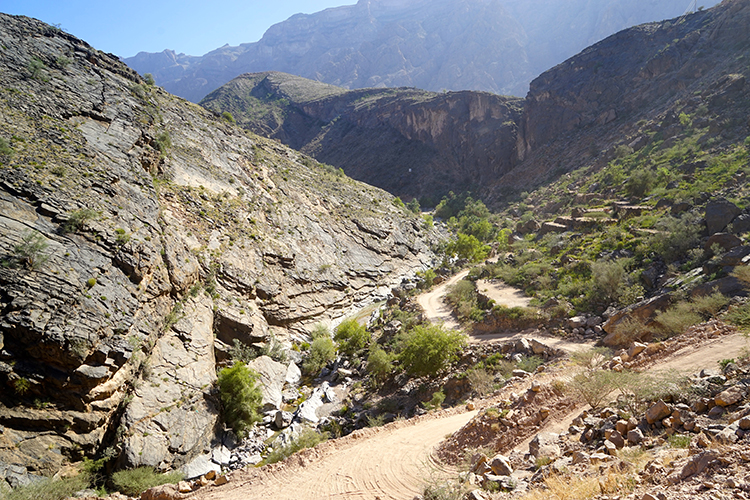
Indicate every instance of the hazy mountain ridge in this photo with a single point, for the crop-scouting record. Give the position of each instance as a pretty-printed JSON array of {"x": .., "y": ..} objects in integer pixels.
[{"x": 466, "y": 45}]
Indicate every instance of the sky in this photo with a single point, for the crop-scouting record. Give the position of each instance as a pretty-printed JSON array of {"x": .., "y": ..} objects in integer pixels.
[{"x": 194, "y": 27}]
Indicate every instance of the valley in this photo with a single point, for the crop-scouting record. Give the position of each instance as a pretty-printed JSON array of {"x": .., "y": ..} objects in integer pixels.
[{"x": 298, "y": 290}]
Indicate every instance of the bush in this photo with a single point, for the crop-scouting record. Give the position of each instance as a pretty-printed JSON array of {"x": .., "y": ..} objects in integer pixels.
[
  {"x": 240, "y": 397},
  {"x": 5, "y": 147},
  {"x": 50, "y": 488},
  {"x": 77, "y": 219},
  {"x": 227, "y": 117},
  {"x": 427, "y": 349},
  {"x": 467, "y": 247},
  {"x": 322, "y": 351},
  {"x": 351, "y": 337},
  {"x": 149, "y": 79},
  {"x": 677, "y": 319},
  {"x": 437, "y": 400},
  {"x": 677, "y": 237},
  {"x": 608, "y": 278},
  {"x": 36, "y": 68},
  {"x": 31, "y": 251},
  {"x": 482, "y": 381},
  {"x": 379, "y": 363},
  {"x": 163, "y": 143},
  {"x": 709, "y": 306},
  {"x": 640, "y": 183},
  {"x": 135, "y": 481},
  {"x": 594, "y": 386},
  {"x": 308, "y": 438},
  {"x": 739, "y": 316}
]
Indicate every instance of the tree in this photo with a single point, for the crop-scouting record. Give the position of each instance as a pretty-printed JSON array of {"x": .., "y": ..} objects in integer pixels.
[
  {"x": 467, "y": 247},
  {"x": 427, "y": 349},
  {"x": 240, "y": 397},
  {"x": 351, "y": 337},
  {"x": 322, "y": 351}
]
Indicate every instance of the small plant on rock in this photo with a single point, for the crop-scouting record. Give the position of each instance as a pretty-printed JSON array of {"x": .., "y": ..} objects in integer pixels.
[
  {"x": 240, "y": 397},
  {"x": 31, "y": 252}
]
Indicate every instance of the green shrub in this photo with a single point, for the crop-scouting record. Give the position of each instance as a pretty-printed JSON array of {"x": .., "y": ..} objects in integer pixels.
[
  {"x": 529, "y": 363},
  {"x": 139, "y": 91},
  {"x": 640, "y": 183},
  {"x": 50, "y": 488},
  {"x": 739, "y": 316},
  {"x": 678, "y": 441},
  {"x": 677, "y": 319},
  {"x": 135, "y": 481},
  {"x": 240, "y": 397},
  {"x": 608, "y": 279},
  {"x": 121, "y": 237},
  {"x": 31, "y": 252},
  {"x": 413, "y": 206},
  {"x": 467, "y": 247},
  {"x": 437, "y": 400},
  {"x": 163, "y": 143},
  {"x": 594, "y": 386},
  {"x": 427, "y": 349},
  {"x": 308, "y": 438},
  {"x": 320, "y": 330},
  {"x": 227, "y": 117},
  {"x": 149, "y": 79},
  {"x": 77, "y": 219},
  {"x": 379, "y": 363},
  {"x": 709, "y": 306},
  {"x": 481, "y": 380},
  {"x": 322, "y": 351},
  {"x": 5, "y": 147},
  {"x": 36, "y": 68},
  {"x": 677, "y": 237},
  {"x": 351, "y": 337}
]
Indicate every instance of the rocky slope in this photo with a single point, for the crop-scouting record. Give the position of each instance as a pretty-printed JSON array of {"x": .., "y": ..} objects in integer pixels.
[
  {"x": 409, "y": 142},
  {"x": 139, "y": 237},
  {"x": 455, "y": 45}
]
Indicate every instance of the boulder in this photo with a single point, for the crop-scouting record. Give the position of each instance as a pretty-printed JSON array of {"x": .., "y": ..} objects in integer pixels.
[
  {"x": 500, "y": 466},
  {"x": 729, "y": 286},
  {"x": 731, "y": 396},
  {"x": 163, "y": 492},
  {"x": 641, "y": 312},
  {"x": 657, "y": 412},
  {"x": 551, "y": 227},
  {"x": 272, "y": 378},
  {"x": 283, "y": 419},
  {"x": 545, "y": 444},
  {"x": 741, "y": 224},
  {"x": 200, "y": 465},
  {"x": 293, "y": 374},
  {"x": 698, "y": 463},
  {"x": 635, "y": 436},
  {"x": 726, "y": 241},
  {"x": 719, "y": 213}
]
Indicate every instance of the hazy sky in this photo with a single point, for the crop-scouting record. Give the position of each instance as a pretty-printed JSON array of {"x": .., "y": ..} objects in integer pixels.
[{"x": 194, "y": 27}]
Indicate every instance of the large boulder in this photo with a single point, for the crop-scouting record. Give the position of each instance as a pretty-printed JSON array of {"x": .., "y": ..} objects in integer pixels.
[
  {"x": 272, "y": 379},
  {"x": 545, "y": 444},
  {"x": 641, "y": 312},
  {"x": 719, "y": 213}
]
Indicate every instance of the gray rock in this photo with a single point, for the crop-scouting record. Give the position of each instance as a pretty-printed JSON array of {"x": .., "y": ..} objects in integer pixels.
[
  {"x": 272, "y": 377},
  {"x": 199, "y": 466},
  {"x": 283, "y": 419},
  {"x": 545, "y": 444},
  {"x": 293, "y": 374},
  {"x": 719, "y": 213},
  {"x": 221, "y": 455}
]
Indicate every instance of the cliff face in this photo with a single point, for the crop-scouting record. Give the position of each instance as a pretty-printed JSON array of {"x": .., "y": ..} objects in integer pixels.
[
  {"x": 139, "y": 237},
  {"x": 435, "y": 45},
  {"x": 632, "y": 87},
  {"x": 409, "y": 142}
]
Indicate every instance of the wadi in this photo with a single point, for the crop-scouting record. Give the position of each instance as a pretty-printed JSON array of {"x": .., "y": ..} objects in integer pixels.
[{"x": 294, "y": 289}]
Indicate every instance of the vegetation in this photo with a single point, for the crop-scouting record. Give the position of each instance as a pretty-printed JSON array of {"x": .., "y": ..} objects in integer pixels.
[
  {"x": 50, "y": 488},
  {"x": 351, "y": 337},
  {"x": 227, "y": 117},
  {"x": 133, "y": 482},
  {"x": 31, "y": 251},
  {"x": 379, "y": 363},
  {"x": 322, "y": 351},
  {"x": 240, "y": 397},
  {"x": 308, "y": 438},
  {"x": 78, "y": 219},
  {"x": 428, "y": 349}
]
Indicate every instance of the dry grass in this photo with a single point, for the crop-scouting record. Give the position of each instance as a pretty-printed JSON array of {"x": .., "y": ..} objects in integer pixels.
[{"x": 565, "y": 488}]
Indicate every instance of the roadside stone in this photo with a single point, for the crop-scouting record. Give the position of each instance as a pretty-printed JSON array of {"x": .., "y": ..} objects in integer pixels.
[
  {"x": 184, "y": 487},
  {"x": 731, "y": 396},
  {"x": 500, "y": 466},
  {"x": 221, "y": 480},
  {"x": 636, "y": 349},
  {"x": 610, "y": 447},
  {"x": 657, "y": 412},
  {"x": 544, "y": 444},
  {"x": 163, "y": 492}
]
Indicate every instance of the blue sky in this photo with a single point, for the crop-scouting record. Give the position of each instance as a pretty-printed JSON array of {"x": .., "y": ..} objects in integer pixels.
[{"x": 194, "y": 27}]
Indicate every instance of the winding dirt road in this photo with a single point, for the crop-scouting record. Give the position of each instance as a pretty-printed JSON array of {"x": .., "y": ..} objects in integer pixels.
[
  {"x": 435, "y": 308},
  {"x": 386, "y": 463}
]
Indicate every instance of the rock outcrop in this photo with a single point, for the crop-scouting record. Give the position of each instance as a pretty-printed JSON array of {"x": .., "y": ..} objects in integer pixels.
[
  {"x": 409, "y": 142},
  {"x": 137, "y": 233}
]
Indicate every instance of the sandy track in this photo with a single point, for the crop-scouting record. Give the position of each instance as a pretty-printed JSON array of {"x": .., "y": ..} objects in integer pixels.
[
  {"x": 503, "y": 294},
  {"x": 392, "y": 463},
  {"x": 435, "y": 308}
]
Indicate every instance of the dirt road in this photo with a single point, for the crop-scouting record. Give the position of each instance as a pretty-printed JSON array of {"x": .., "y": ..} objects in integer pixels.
[
  {"x": 435, "y": 308},
  {"x": 387, "y": 463}
]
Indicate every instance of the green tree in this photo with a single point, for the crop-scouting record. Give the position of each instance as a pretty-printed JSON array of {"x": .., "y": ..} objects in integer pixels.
[
  {"x": 351, "y": 337},
  {"x": 379, "y": 363},
  {"x": 467, "y": 247},
  {"x": 427, "y": 349},
  {"x": 322, "y": 351},
  {"x": 149, "y": 79},
  {"x": 240, "y": 397}
]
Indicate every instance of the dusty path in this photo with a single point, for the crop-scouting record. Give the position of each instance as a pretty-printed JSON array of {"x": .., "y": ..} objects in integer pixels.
[
  {"x": 503, "y": 294},
  {"x": 393, "y": 463},
  {"x": 435, "y": 308}
]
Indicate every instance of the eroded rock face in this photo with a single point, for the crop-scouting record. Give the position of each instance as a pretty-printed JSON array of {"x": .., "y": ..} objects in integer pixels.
[{"x": 133, "y": 228}]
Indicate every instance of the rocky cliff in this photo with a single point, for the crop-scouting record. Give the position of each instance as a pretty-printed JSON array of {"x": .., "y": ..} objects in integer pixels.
[
  {"x": 410, "y": 142},
  {"x": 435, "y": 45},
  {"x": 139, "y": 237}
]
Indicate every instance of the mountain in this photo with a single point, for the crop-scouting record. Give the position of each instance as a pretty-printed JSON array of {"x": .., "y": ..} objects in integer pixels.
[
  {"x": 140, "y": 237},
  {"x": 489, "y": 45},
  {"x": 412, "y": 143},
  {"x": 625, "y": 91}
]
